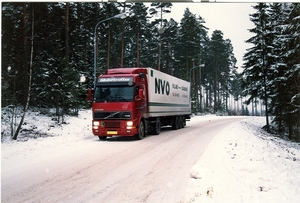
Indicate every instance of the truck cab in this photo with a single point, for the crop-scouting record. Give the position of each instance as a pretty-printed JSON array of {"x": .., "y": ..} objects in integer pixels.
[{"x": 119, "y": 103}]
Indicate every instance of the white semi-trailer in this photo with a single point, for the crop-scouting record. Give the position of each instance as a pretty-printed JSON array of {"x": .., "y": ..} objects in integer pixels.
[{"x": 139, "y": 101}]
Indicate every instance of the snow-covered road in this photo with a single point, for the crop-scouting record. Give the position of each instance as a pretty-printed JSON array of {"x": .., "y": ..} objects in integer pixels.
[
  {"x": 156, "y": 169},
  {"x": 213, "y": 159}
]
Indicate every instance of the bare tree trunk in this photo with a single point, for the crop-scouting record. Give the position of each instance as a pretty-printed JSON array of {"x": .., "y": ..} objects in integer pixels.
[
  {"x": 187, "y": 68},
  {"x": 196, "y": 91},
  {"x": 215, "y": 90},
  {"x": 256, "y": 101},
  {"x": 207, "y": 98},
  {"x": 168, "y": 67},
  {"x": 200, "y": 85},
  {"x": 122, "y": 43},
  {"x": 66, "y": 54},
  {"x": 159, "y": 52},
  {"x": 108, "y": 48},
  {"x": 122, "y": 48},
  {"x": 24, "y": 61},
  {"x": 226, "y": 101},
  {"x": 67, "y": 34},
  {"x": 242, "y": 108},
  {"x": 138, "y": 45},
  {"x": 30, "y": 78},
  {"x": 252, "y": 108},
  {"x": 210, "y": 96}
]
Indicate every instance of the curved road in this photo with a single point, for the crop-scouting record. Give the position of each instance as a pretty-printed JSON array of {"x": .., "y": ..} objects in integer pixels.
[{"x": 155, "y": 169}]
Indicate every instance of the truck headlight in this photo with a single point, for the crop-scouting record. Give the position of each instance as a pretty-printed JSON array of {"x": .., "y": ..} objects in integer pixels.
[
  {"x": 96, "y": 124},
  {"x": 129, "y": 124}
]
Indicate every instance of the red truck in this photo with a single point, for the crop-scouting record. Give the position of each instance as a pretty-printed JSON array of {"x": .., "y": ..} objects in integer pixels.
[{"x": 138, "y": 101}]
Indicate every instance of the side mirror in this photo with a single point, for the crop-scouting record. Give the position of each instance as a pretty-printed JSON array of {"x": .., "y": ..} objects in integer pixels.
[
  {"x": 90, "y": 95},
  {"x": 141, "y": 93},
  {"x": 142, "y": 75}
]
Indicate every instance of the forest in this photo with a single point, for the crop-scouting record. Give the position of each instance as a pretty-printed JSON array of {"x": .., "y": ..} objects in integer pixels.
[
  {"x": 49, "y": 51},
  {"x": 272, "y": 66}
]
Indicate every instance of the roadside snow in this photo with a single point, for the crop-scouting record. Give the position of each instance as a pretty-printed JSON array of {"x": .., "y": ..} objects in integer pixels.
[
  {"x": 39, "y": 132},
  {"x": 245, "y": 164}
]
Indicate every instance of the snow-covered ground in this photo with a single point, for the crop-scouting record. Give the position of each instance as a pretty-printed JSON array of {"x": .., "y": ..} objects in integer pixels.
[
  {"x": 245, "y": 164},
  {"x": 47, "y": 133},
  {"x": 241, "y": 164}
]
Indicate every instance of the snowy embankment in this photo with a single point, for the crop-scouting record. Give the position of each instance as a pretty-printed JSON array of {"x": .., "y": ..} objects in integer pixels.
[
  {"x": 40, "y": 132},
  {"x": 245, "y": 164},
  {"x": 241, "y": 164}
]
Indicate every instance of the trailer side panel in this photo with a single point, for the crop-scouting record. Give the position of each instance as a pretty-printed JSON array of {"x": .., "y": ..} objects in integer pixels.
[{"x": 168, "y": 95}]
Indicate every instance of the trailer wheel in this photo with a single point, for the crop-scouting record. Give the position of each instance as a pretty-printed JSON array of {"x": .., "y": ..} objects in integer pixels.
[
  {"x": 157, "y": 127},
  {"x": 175, "y": 125},
  {"x": 141, "y": 133},
  {"x": 102, "y": 138}
]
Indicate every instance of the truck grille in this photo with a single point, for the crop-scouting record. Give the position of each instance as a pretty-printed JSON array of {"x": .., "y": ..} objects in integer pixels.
[
  {"x": 112, "y": 115},
  {"x": 109, "y": 124}
]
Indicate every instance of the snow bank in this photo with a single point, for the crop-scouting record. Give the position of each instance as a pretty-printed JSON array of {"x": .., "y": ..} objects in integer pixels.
[
  {"x": 245, "y": 164},
  {"x": 40, "y": 132}
]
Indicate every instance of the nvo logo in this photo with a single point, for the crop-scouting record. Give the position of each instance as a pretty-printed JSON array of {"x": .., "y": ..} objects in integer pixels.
[{"x": 161, "y": 86}]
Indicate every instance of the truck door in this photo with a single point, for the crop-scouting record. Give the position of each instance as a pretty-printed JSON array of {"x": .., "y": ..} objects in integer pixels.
[{"x": 140, "y": 98}]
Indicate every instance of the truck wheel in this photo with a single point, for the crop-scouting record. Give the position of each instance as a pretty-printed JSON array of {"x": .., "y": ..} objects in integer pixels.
[
  {"x": 157, "y": 127},
  {"x": 182, "y": 122},
  {"x": 102, "y": 137},
  {"x": 175, "y": 123},
  {"x": 141, "y": 133},
  {"x": 179, "y": 122}
]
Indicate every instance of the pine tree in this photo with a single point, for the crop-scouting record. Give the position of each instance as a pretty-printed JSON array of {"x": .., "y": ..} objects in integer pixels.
[
  {"x": 256, "y": 59},
  {"x": 15, "y": 50},
  {"x": 190, "y": 53},
  {"x": 218, "y": 65},
  {"x": 137, "y": 34},
  {"x": 168, "y": 46},
  {"x": 26, "y": 106},
  {"x": 274, "y": 59},
  {"x": 229, "y": 71},
  {"x": 10, "y": 55},
  {"x": 292, "y": 74},
  {"x": 278, "y": 18},
  {"x": 160, "y": 9},
  {"x": 188, "y": 45},
  {"x": 236, "y": 80}
]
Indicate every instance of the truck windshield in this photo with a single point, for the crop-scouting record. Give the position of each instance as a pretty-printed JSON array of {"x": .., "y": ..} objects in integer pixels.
[{"x": 114, "y": 94}]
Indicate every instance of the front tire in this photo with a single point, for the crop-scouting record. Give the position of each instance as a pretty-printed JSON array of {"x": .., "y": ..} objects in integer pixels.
[{"x": 141, "y": 133}]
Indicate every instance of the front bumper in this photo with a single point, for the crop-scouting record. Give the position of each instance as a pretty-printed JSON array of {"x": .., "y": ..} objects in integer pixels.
[{"x": 113, "y": 128}]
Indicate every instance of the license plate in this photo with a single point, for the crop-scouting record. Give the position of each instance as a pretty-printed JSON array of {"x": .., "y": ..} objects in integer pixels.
[{"x": 112, "y": 132}]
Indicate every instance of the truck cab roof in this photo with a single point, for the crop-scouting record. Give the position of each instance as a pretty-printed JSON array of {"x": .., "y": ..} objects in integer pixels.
[{"x": 126, "y": 71}]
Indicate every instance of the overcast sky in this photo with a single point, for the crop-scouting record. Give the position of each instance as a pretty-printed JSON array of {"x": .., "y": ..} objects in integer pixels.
[{"x": 231, "y": 18}]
